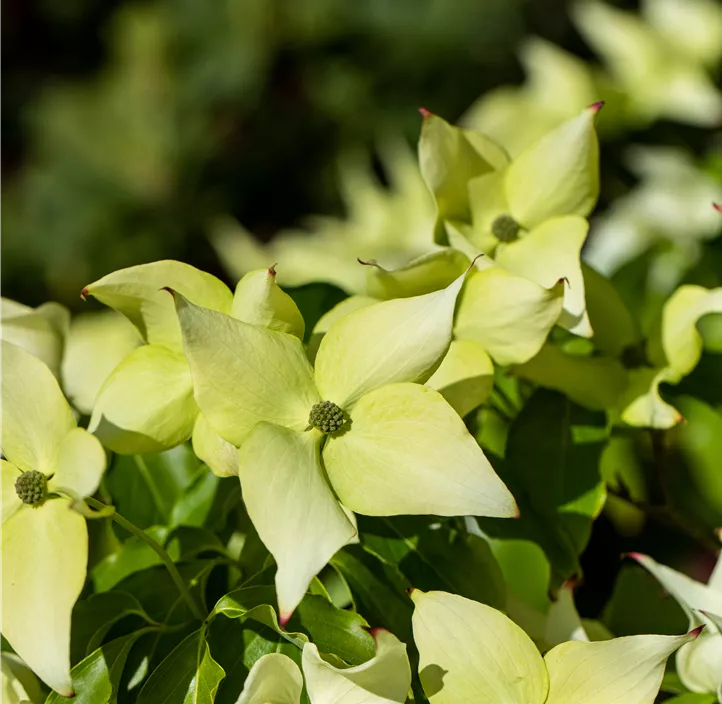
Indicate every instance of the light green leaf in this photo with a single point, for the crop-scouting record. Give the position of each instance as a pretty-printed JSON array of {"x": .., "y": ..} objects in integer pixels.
[
  {"x": 165, "y": 417},
  {"x": 211, "y": 448},
  {"x": 392, "y": 341},
  {"x": 81, "y": 463},
  {"x": 593, "y": 382},
  {"x": 41, "y": 331},
  {"x": 551, "y": 252},
  {"x": 677, "y": 343},
  {"x": 558, "y": 175},
  {"x": 622, "y": 670},
  {"x": 563, "y": 622},
  {"x": 408, "y": 452},
  {"x": 385, "y": 679},
  {"x": 273, "y": 678},
  {"x": 509, "y": 316},
  {"x": 11, "y": 502},
  {"x": 35, "y": 415},
  {"x": 258, "y": 300},
  {"x": 449, "y": 157},
  {"x": 292, "y": 507},
  {"x": 136, "y": 293},
  {"x": 44, "y": 558},
  {"x": 244, "y": 374},
  {"x": 425, "y": 274},
  {"x": 466, "y": 376},
  {"x": 471, "y": 653},
  {"x": 96, "y": 344},
  {"x": 614, "y": 326}
]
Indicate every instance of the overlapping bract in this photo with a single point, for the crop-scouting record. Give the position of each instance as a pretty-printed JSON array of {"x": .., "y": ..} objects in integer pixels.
[{"x": 45, "y": 546}]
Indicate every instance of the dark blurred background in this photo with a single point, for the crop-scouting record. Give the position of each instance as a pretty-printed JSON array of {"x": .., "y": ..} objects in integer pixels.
[{"x": 127, "y": 126}]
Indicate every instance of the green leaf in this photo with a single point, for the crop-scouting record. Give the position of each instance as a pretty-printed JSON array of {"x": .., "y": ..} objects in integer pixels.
[
  {"x": 436, "y": 557},
  {"x": 378, "y": 590},
  {"x": 145, "y": 488},
  {"x": 189, "y": 675},
  {"x": 95, "y": 616},
  {"x": 194, "y": 506},
  {"x": 96, "y": 678},
  {"x": 690, "y": 698},
  {"x": 552, "y": 468}
]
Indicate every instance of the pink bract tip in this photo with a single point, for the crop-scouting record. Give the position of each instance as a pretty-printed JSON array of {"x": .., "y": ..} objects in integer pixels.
[
  {"x": 272, "y": 269},
  {"x": 375, "y": 632},
  {"x": 425, "y": 113},
  {"x": 596, "y": 107},
  {"x": 169, "y": 289},
  {"x": 283, "y": 619},
  {"x": 696, "y": 631},
  {"x": 410, "y": 590},
  {"x": 83, "y": 294},
  {"x": 637, "y": 556},
  {"x": 717, "y": 207}
]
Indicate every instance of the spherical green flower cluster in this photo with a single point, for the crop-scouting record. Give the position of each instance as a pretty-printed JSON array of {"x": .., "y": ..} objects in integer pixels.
[
  {"x": 505, "y": 228},
  {"x": 326, "y": 416},
  {"x": 31, "y": 487}
]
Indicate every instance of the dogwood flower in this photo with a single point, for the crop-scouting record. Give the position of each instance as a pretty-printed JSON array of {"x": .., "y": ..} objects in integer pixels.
[
  {"x": 41, "y": 331},
  {"x": 50, "y": 464},
  {"x": 699, "y": 664},
  {"x": 529, "y": 212},
  {"x": 157, "y": 372},
  {"x": 385, "y": 679},
  {"x": 360, "y": 429},
  {"x": 661, "y": 59},
  {"x": 391, "y": 224},
  {"x": 499, "y": 318},
  {"x": 470, "y": 653}
]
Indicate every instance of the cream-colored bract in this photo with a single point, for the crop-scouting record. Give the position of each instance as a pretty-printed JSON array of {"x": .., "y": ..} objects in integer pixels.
[
  {"x": 472, "y": 654},
  {"x": 256, "y": 389},
  {"x": 44, "y": 548},
  {"x": 385, "y": 679},
  {"x": 699, "y": 663},
  {"x": 547, "y": 190},
  {"x": 158, "y": 371}
]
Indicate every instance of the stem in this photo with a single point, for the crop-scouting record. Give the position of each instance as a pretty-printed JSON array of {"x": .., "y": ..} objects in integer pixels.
[{"x": 158, "y": 549}]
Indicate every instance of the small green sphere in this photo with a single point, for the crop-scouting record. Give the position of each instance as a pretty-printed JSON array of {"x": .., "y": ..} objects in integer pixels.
[
  {"x": 505, "y": 228},
  {"x": 31, "y": 487},
  {"x": 326, "y": 417}
]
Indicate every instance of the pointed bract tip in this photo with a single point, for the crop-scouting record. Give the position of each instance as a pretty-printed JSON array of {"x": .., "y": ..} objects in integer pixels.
[
  {"x": 564, "y": 280},
  {"x": 571, "y": 584},
  {"x": 272, "y": 269},
  {"x": 425, "y": 113},
  {"x": 694, "y": 633},
  {"x": 370, "y": 262},
  {"x": 717, "y": 207},
  {"x": 169, "y": 289},
  {"x": 283, "y": 619},
  {"x": 376, "y": 631},
  {"x": 636, "y": 556},
  {"x": 596, "y": 107},
  {"x": 84, "y": 294}
]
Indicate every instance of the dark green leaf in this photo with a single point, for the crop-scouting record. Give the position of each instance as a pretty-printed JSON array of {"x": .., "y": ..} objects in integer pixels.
[
  {"x": 194, "y": 506},
  {"x": 189, "y": 675},
  {"x": 552, "y": 468},
  {"x": 434, "y": 556},
  {"x": 95, "y": 616},
  {"x": 145, "y": 488}
]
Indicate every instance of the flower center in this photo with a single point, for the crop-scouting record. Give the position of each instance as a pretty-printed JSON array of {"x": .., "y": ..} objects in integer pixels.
[
  {"x": 505, "y": 228},
  {"x": 326, "y": 416},
  {"x": 31, "y": 487}
]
